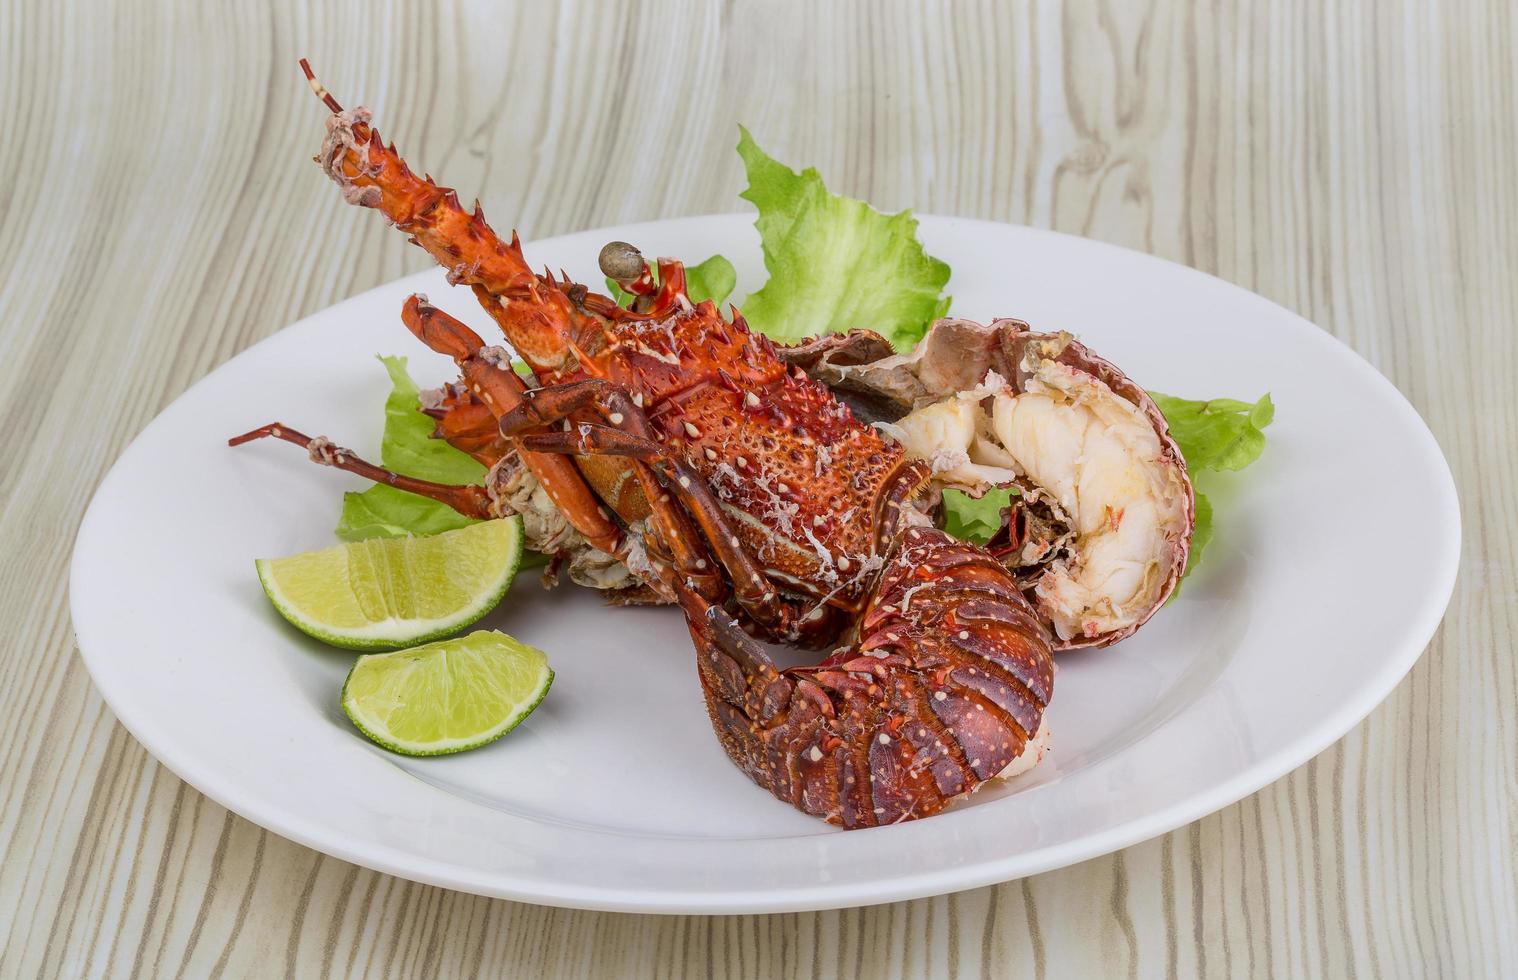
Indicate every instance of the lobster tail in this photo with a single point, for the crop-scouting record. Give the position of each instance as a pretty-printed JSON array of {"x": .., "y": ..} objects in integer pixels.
[{"x": 944, "y": 689}]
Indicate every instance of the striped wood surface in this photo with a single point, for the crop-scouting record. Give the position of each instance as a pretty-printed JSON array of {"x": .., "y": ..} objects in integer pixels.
[{"x": 1353, "y": 161}]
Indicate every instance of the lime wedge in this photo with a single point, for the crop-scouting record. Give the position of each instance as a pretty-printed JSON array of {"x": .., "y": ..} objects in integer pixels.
[
  {"x": 392, "y": 592},
  {"x": 447, "y": 696}
]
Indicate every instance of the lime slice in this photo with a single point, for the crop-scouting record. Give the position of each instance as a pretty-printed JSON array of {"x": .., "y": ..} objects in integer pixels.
[
  {"x": 447, "y": 696},
  {"x": 392, "y": 592}
]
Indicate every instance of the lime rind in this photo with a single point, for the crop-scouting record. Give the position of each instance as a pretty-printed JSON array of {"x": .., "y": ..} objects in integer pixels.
[
  {"x": 396, "y": 632},
  {"x": 374, "y": 729}
]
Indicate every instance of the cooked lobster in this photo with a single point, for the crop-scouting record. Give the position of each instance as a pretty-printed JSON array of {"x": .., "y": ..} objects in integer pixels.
[{"x": 683, "y": 446}]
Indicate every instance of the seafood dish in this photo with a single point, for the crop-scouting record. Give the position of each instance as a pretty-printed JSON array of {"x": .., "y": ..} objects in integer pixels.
[{"x": 793, "y": 492}]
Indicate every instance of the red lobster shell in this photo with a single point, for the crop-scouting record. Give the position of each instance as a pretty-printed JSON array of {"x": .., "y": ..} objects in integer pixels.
[{"x": 944, "y": 689}]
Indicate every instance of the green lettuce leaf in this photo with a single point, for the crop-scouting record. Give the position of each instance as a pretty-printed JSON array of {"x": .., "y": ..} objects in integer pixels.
[
  {"x": 712, "y": 280},
  {"x": 1213, "y": 436},
  {"x": 974, "y": 520},
  {"x": 1201, "y": 534},
  {"x": 385, "y": 512},
  {"x": 834, "y": 262},
  {"x": 407, "y": 447},
  {"x": 1220, "y": 434}
]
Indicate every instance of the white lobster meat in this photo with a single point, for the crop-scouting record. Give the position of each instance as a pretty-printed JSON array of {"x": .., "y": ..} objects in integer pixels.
[{"x": 1100, "y": 526}]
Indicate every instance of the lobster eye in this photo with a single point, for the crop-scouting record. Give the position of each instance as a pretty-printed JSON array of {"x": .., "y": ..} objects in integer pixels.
[{"x": 621, "y": 261}]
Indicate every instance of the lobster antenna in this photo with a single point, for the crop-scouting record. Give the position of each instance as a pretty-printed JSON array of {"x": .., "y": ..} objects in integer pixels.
[{"x": 318, "y": 88}]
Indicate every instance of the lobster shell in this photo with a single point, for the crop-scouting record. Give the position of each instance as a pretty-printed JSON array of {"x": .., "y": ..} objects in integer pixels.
[{"x": 955, "y": 356}]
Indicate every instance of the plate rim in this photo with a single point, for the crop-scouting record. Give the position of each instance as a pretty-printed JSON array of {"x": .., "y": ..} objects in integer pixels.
[{"x": 1305, "y": 744}]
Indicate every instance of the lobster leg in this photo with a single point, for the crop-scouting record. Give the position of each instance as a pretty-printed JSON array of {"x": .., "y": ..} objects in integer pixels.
[
  {"x": 944, "y": 689},
  {"x": 466, "y": 424},
  {"x": 628, "y": 433},
  {"x": 751, "y": 587},
  {"x": 471, "y": 501},
  {"x": 541, "y": 407},
  {"x": 488, "y": 376}
]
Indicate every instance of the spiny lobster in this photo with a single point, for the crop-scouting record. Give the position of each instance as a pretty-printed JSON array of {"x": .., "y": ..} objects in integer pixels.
[{"x": 681, "y": 444}]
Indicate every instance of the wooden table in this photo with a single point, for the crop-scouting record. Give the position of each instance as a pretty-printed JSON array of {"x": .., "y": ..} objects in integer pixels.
[{"x": 1353, "y": 161}]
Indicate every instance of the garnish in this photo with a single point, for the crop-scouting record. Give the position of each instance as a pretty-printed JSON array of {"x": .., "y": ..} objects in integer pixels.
[
  {"x": 835, "y": 262},
  {"x": 407, "y": 447},
  {"x": 975, "y": 520},
  {"x": 1215, "y": 435}
]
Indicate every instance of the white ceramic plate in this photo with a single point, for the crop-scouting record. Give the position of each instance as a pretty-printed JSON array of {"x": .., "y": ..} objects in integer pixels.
[{"x": 1317, "y": 595}]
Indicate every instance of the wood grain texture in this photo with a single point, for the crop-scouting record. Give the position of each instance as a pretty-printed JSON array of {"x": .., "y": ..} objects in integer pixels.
[{"x": 1352, "y": 161}]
